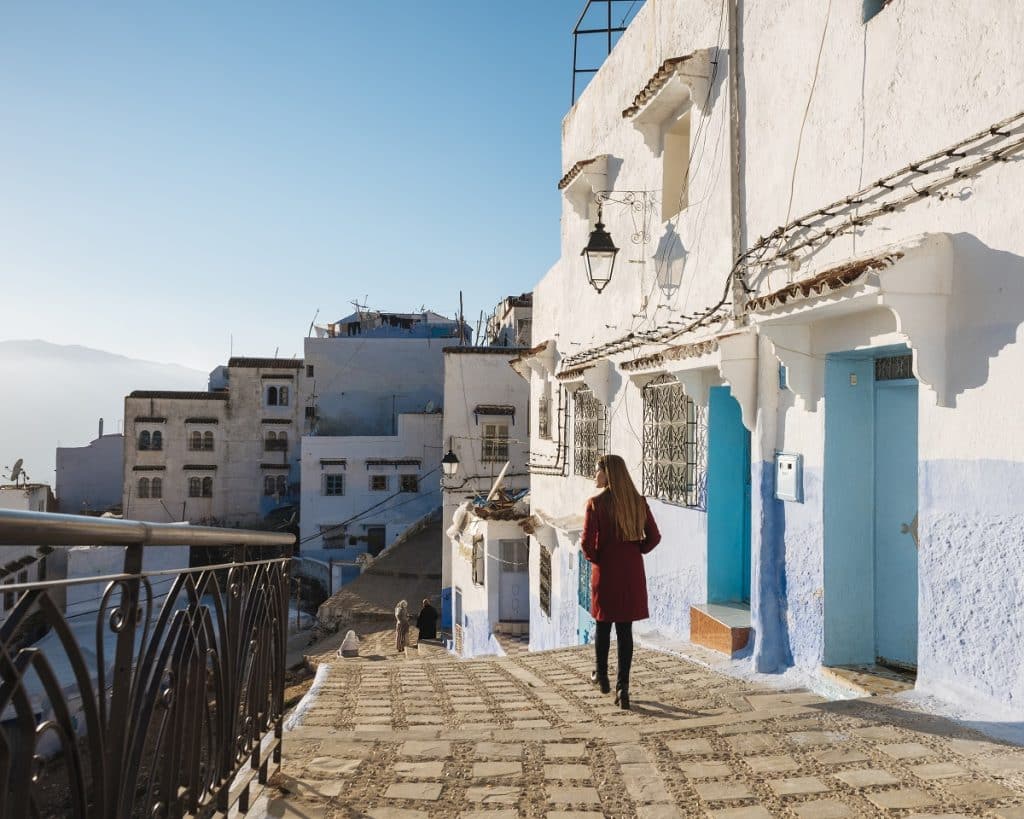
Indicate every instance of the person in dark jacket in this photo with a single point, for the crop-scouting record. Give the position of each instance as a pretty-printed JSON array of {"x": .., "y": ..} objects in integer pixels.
[
  {"x": 426, "y": 622},
  {"x": 618, "y": 530}
]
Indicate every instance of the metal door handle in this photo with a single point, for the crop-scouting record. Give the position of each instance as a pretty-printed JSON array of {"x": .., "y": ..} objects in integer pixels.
[{"x": 911, "y": 529}]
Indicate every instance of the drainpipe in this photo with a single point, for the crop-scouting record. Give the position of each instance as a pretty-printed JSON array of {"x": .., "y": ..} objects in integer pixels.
[{"x": 739, "y": 290}]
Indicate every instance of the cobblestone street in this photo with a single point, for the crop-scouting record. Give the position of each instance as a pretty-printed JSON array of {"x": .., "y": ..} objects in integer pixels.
[{"x": 528, "y": 735}]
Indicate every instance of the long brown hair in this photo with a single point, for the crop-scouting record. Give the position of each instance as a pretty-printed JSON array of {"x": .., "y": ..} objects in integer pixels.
[{"x": 628, "y": 508}]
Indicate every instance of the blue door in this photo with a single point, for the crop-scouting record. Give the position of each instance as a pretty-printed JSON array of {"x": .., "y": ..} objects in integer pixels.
[
  {"x": 728, "y": 500},
  {"x": 896, "y": 522}
]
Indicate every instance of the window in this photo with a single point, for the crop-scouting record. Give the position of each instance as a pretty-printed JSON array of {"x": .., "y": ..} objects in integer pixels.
[
  {"x": 207, "y": 487},
  {"x": 195, "y": 487},
  {"x": 156, "y": 488},
  {"x": 195, "y": 440},
  {"x": 282, "y": 485},
  {"x": 282, "y": 396},
  {"x": 378, "y": 483},
  {"x": 271, "y": 396},
  {"x": 143, "y": 488},
  {"x": 524, "y": 329},
  {"x": 309, "y": 371},
  {"x": 311, "y": 412},
  {"x": 208, "y": 441},
  {"x": 334, "y": 484},
  {"x": 269, "y": 485},
  {"x": 544, "y": 416},
  {"x": 495, "y": 442},
  {"x": 589, "y": 421},
  {"x": 158, "y": 440},
  {"x": 409, "y": 483},
  {"x": 276, "y": 442},
  {"x": 478, "y": 560},
  {"x": 545, "y": 581},
  {"x": 10, "y": 598},
  {"x": 674, "y": 445},
  {"x": 675, "y": 167},
  {"x": 145, "y": 439}
]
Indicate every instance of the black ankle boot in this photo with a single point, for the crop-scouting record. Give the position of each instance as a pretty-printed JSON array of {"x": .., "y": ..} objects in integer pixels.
[
  {"x": 622, "y": 698},
  {"x": 601, "y": 681}
]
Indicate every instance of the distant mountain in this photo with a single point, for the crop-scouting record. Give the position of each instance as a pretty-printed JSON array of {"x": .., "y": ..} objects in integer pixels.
[{"x": 57, "y": 393}]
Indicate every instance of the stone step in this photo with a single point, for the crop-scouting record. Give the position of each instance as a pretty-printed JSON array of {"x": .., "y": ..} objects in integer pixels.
[{"x": 723, "y": 627}]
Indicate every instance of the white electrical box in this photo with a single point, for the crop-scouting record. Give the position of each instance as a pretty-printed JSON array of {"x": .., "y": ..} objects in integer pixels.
[{"x": 789, "y": 477}]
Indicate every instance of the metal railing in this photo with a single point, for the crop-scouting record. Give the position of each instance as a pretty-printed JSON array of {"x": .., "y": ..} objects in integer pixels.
[{"x": 170, "y": 702}]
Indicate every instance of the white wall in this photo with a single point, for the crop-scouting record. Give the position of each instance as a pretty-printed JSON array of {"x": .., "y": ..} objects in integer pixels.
[{"x": 419, "y": 437}]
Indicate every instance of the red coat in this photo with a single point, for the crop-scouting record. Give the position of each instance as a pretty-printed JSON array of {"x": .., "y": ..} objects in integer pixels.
[{"x": 618, "y": 583}]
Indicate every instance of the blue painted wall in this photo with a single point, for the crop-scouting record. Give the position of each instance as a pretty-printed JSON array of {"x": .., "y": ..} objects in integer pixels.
[
  {"x": 728, "y": 500},
  {"x": 446, "y": 608},
  {"x": 848, "y": 502},
  {"x": 769, "y": 592}
]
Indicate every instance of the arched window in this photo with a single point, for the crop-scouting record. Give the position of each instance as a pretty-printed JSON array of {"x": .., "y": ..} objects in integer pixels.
[
  {"x": 270, "y": 441},
  {"x": 271, "y": 396},
  {"x": 268, "y": 485},
  {"x": 143, "y": 487},
  {"x": 144, "y": 439},
  {"x": 208, "y": 441},
  {"x": 207, "y": 487},
  {"x": 158, "y": 440},
  {"x": 282, "y": 485},
  {"x": 282, "y": 396},
  {"x": 156, "y": 488},
  {"x": 195, "y": 440},
  {"x": 282, "y": 440},
  {"x": 195, "y": 487}
]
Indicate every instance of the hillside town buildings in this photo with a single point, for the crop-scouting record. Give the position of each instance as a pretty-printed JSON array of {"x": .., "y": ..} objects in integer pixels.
[
  {"x": 485, "y": 583},
  {"x": 806, "y": 348}
]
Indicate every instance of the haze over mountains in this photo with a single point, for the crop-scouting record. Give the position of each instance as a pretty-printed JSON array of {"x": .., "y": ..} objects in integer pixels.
[{"x": 55, "y": 393}]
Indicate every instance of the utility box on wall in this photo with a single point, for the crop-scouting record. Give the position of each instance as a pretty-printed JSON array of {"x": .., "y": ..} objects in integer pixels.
[{"x": 789, "y": 477}]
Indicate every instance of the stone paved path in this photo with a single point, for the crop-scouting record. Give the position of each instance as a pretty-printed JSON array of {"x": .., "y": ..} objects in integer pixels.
[{"x": 527, "y": 735}]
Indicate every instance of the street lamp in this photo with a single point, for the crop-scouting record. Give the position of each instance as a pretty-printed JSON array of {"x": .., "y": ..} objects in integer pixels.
[
  {"x": 599, "y": 255},
  {"x": 450, "y": 462}
]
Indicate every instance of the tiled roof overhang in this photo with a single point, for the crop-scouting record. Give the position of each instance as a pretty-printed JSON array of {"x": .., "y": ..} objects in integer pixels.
[
  {"x": 287, "y": 363},
  {"x": 219, "y": 395},
  {"x": 659, "y": 80},
  {"x": 574, "y": 171},
  {"x": 508, "y": 351},
  {"x": 835, "y": 278}
]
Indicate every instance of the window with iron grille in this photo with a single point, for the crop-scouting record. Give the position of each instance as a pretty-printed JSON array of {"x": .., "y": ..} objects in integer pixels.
[
  {"x": 478, "y": 560},
  {"x": 544, "y": 417},
  {"x": 894, "y": 368},
  {"x": 675, "y": 445},
  {"x": 409, "y": 483},
  {"x": 334, "y": 484},
  {"x": 195, "y": 487},
  {"x": 588, "y": 432},
  {"x": 545, "y": 581},
  {"x": 495, "y": 442},
  {"x": 378, "y": 483}
]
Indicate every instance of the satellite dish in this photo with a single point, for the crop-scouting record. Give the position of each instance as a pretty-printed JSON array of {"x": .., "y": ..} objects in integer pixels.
[
  {"x": 429, "y": 407},
  {"x": 16, "y": 470}
]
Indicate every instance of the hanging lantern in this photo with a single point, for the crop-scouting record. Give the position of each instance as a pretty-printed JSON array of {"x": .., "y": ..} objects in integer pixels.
[{"x": 599, "y": 256}]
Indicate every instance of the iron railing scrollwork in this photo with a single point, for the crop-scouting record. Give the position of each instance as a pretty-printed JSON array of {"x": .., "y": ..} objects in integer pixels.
[{"x": 170, "y": 697}]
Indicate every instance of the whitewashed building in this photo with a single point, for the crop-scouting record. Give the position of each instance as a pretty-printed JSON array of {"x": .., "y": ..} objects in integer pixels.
[
  {"x": 90, "y": 478},
  {"x": 807, "y": 357},
  {"x": 486, "y": 425},
  {"x": 226, "y": 456},
  {"x": 29, "y": 564}
]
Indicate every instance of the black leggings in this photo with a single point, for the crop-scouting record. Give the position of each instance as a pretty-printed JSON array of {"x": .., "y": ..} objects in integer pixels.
[{"x": 602, "y": 642}]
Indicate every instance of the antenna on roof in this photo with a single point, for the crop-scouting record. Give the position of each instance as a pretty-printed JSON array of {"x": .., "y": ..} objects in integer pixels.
[
  {"x": 310, "y": 331},
  {"x": 17, "y": 472}
]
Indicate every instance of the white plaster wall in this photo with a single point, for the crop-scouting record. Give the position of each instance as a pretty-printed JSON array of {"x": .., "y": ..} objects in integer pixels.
[
  {"x": 360, "y": 383},
  {"x": 419, "y": 436},
  {"x": 91, "y": 477},
  {"x": 31, "y": 498}
]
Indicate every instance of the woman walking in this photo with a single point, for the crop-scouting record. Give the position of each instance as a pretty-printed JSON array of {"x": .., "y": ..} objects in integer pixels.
[
  {"x": 401, "y": 625},
  {"x": 618, "y": 530}
]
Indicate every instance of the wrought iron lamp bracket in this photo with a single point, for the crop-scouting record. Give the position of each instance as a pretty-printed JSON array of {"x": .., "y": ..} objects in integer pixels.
[{"x": 641, "y": 205}]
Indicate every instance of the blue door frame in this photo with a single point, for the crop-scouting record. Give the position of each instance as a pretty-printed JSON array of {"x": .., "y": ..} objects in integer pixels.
[{"x": 728, "y": 486}]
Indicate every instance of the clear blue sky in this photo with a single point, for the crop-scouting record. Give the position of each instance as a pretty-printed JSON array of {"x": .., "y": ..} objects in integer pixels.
[{"x": 177, "y": 173}]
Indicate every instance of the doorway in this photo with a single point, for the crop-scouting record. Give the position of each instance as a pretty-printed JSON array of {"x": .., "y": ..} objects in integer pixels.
[
  {"x": 870, "y": 506},
  {"x": 514, "y": 582},
  {"x": 728, "y": 500},
  {"x": 375, "y": 539}
]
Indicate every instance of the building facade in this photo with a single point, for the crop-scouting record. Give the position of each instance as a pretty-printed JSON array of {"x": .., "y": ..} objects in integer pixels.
[
  {"x": 806, "y": 350},
  {"x": 486, "y": 426},
  {"x": 225, "y": 456},
  {"x": 90, "y": 479}
]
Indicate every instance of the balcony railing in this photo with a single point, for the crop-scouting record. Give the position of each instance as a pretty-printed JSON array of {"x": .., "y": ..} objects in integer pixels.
[{"x": 172, "y": 704}]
